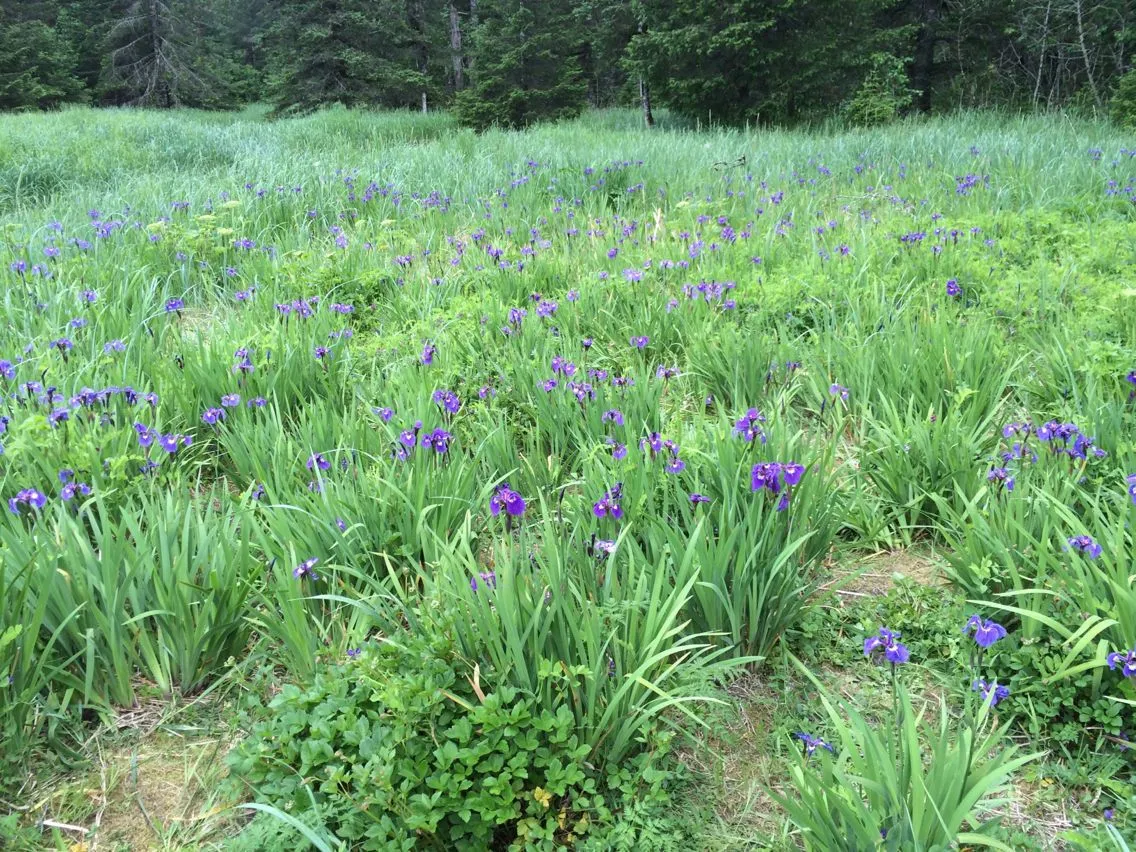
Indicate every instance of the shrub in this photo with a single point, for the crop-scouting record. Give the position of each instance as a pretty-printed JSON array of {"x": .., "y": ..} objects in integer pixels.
[
  {"x": 883, "y": 95},
  {"x": 1122, "y": 107},
  {"x": 400, "y": 748}
]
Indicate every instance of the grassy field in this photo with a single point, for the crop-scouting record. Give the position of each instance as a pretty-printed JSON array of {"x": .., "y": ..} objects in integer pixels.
[{"x": 373, "y": 484}]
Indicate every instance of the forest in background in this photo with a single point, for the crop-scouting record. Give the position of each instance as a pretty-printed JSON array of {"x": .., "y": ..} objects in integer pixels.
[{"x": 511, "y": 62}]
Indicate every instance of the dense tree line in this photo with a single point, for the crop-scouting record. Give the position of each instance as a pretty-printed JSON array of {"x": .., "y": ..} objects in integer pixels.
[{"x": 510, "y": 62}]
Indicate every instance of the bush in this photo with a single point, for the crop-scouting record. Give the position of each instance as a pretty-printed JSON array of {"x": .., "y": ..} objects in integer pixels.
[
  {"x": 883, "y": 95},
  {"x": 1123, "y": 104},
  {"x": 401, "y": 749}
]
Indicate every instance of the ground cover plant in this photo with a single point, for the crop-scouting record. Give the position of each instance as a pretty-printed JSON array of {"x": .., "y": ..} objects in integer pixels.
[{"x": 443, "y": 490}]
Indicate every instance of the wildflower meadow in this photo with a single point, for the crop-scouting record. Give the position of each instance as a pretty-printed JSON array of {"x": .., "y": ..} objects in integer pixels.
[{"x": 372, "y": 484}]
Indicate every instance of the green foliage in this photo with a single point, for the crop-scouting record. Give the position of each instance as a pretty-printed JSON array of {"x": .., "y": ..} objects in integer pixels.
[
  {"x": 354, "y": 53},
  {"x": 401, "y": 748},
  {"x": 1122, "y": 107},
  {"x": 883, "y": 96},
  {"x": 524, "y": 66},
  {"x": 37, "y": 67},
  {"x": 902, "y": 782}
]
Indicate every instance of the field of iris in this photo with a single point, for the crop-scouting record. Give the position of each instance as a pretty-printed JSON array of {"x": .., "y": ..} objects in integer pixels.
[{"x": 486, "y": 480}]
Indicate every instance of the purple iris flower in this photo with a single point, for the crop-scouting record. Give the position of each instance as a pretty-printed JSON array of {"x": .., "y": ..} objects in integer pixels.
[
  {"x": 640, "y": 342},
  {"x": 990, "y": 691},
  {"x": 812, "y": 743},
  {"x": 986, "y": 632},
  {"x": 613, "y": 415},
  {"x": 488, "y": 578},
  {"x": 170, "y": 443},
  {"x": 146, "y": 435},
  {"x": 1002, "y": 476},
  {"x": 438, "y": 440},
  {"x": 748, "y": 426},
  {"x": 609, "y": 504},
  {"x": 429, "y": 350},
  {"x": 316, "y": 461},
  {"x": 508, "y": 499},
  {"x": 74, "y": 489},
  {"x": 953, "y": 288},
  {"x": 1125, "y": 660},
  {"x": 212, "y": 415},
  {"x": 231, "y": 400},
  {"x": 306, "y": 569},
  {"x": 886, "y": 644},
  {"x": 448, "y": 400},
  {"x": 1086, "y": 545},
  {"x": 31, "y": 497}
]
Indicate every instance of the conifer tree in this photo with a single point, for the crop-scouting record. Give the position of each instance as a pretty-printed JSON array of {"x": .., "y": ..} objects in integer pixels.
[{"x": 525, "y": 65}]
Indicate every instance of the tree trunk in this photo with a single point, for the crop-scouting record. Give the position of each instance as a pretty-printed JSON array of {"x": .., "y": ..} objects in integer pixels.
[
  {"x": 645, "y": 100},
  {"x": 456, "y": 48},
  {"x": 1079, "y": 6},
  {"x": 1041, "y": 53},
  {"x": 923, "y": 60}
]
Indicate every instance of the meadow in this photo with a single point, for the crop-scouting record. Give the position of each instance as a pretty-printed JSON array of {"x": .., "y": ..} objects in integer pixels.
[{"x": 373, "y": 484}]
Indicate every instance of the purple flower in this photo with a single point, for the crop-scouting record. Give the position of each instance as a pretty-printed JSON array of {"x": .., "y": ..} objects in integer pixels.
[
  {"x": 448, "y": 400},
  {"x": 73, "y": 489},
  {"x": 31, "y": 497},
  {"x": 609, "y": 504},
  {"x": 231, "y": 400},
  {"x": 886, "y": 644},
  {"x": 384, "y": 414},
  {"x": 1132, "y": 487},
  {"x": 174, "y": 305},
  {"x": 508, "y": 499},
  {"x": 306, "y": 569},
  {"x": 146, "y": 435},
  {"x": 697, "y": 498},
  {"x": 1086, "y": 545},
  {"x": 316, "y": 461},
  {"x": 438, "y": 440},
  {"x": 1126, "y": 660},
  {"x": 953, "y": 288},
  {"x": 986, "y": 633},
  {"x": 170, "y": 443},
  {"x": 429, "y": 350},
  {"x": 1002, "y": 476},
  {"x": 341, "y": 524},
  {"x": 212, "y": 415},
  {"x": 489, "y": 578},
  {"x": 792, "y": 472},
  {"x": 812, "y": 743},
  {"x": 990, "y": 691},
  {"x": 640, "y": 342},
  {"x": 612, "y": 415},
  {"x": 748, "y": 428},
  {"x": 839, "y": 390},
  {"x": 601, "y": 548}
]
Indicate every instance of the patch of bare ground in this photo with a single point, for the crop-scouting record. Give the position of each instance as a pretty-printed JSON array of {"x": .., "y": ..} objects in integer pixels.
[{"x": 874, "y": 576}]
